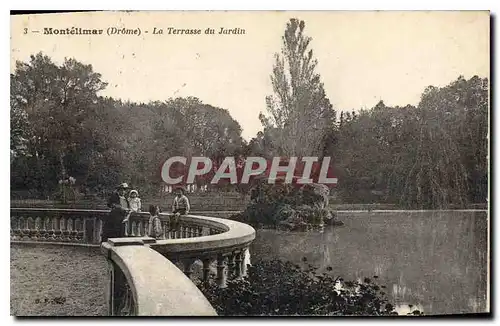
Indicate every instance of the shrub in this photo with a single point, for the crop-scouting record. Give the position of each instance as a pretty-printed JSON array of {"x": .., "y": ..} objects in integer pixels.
[
  {"x": 283, "y": 288},
  {"x": 287, "y": 206}
]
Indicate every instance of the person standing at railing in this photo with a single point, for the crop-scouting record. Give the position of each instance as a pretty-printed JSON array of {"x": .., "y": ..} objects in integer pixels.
[
  {"x": 113, "y": 226},
  {"x": 154, "y": 227},
  {"x": 180, "y": 207}
]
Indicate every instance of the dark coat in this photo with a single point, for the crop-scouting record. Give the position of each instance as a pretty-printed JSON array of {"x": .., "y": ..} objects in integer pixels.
[{"x": 112, "y": 226}]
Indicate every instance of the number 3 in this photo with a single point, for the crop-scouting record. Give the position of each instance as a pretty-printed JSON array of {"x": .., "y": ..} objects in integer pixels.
[{"x": 25, "y": 31}]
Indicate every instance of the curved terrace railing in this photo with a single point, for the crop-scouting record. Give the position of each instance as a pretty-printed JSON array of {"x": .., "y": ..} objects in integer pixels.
[
  {"x": 85, "y": 225},
  {"x": 143, "y": 277}
]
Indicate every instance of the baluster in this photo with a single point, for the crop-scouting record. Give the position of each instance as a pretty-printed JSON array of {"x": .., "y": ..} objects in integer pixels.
[
  {"x": 77, "y": 229},
  {"x": 63, "y": 227},
  {"x": 69, "y": 227},
  {"x": 38, "y": 222},
  {"x": 85, "y": 235},
  {"x": 14, "y": 227},
  {"x": 21, "y": 224},
  {"x": 99, "y": 229},
  {"x": 30, "y": 226},
  {"x": 200, "y": 231},
  {"x": 143, "y": 229},
  {"x": 165, "y": 230},
  {"x": 221, "y": 271},
  {"x": 206, "y": 269},
  {"x": 53, "y": 228},
  {"x": 139, "y": 229},
  {"x": 133, "y": 230},
  {"x": 146, "y": 227},
  {"x": 47, "y": 225},
  {"x": 238, "y": 260},
  {"x": 177, "y": 231},
  {"x": 245, "y": 262},
  {"x": 126, "y": 226},
  {"x": 56, "y": 227},
  {"x": 231, "y": 264},
  {"x": 188, "y": 266},
  {"x": 42, "y": 230}
]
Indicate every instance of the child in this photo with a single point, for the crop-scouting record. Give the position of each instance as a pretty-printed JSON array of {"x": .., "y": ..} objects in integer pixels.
[
  {"x": 134, "y": 201},
  {"x": 154, "y": 229},
  {"x": 134, "y": 204},
  {"x": 179, "y": 207}
]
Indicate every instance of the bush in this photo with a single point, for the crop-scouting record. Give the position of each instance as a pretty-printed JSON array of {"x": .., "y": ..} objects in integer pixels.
[
  {"x": 283, "y": 288},
  {"x": 286, "y": 206}
]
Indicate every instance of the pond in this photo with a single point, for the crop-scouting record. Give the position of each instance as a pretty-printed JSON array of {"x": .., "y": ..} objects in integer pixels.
[{"x": 434, "y": 260}]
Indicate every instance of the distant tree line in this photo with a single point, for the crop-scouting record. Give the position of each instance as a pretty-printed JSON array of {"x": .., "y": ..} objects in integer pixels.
[{"x": 431, "y": 155}]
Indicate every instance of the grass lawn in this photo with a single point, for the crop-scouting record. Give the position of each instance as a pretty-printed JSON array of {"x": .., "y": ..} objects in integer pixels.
[{"x": 57, "y": 281}]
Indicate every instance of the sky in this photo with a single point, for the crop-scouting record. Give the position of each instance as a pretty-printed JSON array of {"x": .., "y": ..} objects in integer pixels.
[{"x": 363, "y": 57}]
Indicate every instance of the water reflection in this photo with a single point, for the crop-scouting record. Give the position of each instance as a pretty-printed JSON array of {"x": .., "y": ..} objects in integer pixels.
[
  {"x": 436, "y": 261},
  {"x": 405, "y": 308}
]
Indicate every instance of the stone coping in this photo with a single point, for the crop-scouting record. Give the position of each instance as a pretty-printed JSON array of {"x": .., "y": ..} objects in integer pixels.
[
  {"x": 237, "y": 235},
  {"x": 158, "y": 287}
]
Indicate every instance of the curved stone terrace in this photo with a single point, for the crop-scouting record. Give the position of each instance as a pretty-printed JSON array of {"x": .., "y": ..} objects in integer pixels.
[{"x": 144, "y": 278}]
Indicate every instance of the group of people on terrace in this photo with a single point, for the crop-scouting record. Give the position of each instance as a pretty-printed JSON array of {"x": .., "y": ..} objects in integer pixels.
[{"x": 125, "y": 201}]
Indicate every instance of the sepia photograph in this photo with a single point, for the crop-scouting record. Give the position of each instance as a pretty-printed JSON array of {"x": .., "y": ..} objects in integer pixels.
[{"x": 250, "y": 163}]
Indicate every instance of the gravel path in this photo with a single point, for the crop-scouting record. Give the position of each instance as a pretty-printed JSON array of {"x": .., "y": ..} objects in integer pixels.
[{"x": 57, "y": 281}]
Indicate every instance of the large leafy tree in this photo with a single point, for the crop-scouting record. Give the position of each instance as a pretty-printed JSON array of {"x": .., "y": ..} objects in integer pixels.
[{"x": 49, "y": 107}]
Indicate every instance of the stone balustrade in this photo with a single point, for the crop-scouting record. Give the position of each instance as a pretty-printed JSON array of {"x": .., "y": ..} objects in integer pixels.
[
  {"x": 56, "y": 225},
  {"x": 85, "y": 226},
  {"x": 143, "y": 276}
]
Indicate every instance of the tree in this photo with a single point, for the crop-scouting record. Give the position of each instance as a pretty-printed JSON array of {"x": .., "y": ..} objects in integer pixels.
[
  {"x": 299, "y": 113},
  {"x": 430, "y": 156},
  {"x": 50, "y": 105}
]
